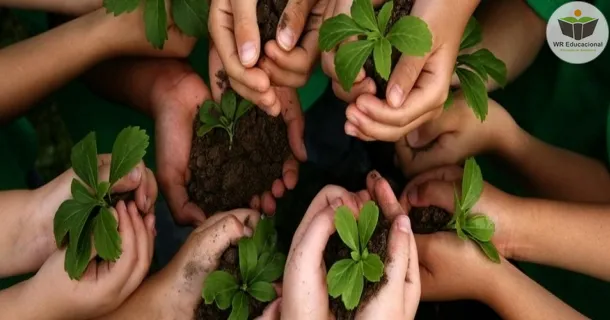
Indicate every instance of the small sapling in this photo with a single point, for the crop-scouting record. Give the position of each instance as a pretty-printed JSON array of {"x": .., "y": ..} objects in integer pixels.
[
  {"x": 88, "y": 213},
  {"x": 191, "y": 17},
  {"x": 410, "y": 35},
  {"x": 224, "y": 116},
  {"x": 259, "y": 266},
  {"x": 346, "y": 277}
]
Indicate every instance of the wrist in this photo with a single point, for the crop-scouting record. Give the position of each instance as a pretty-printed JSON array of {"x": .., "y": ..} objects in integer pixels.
[
  {"x": 511, "y": 141},
  {"x": 498, "y": 294}
]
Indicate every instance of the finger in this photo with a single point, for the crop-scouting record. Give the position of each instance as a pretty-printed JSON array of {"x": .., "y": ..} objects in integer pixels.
[
  {"x": 152, "y": 190},
  {"x": 433, "y": 193},
  {"x": 183, "y": 211},
  {"x": 328, "y": 66},
  {"x": 149, "y": 222},
  {"x": 403, "y": 79},
  {"x": 255, "y": 203},
  {"x": 299, "y": 60},
  {"x": 366, "y": 86},
  {"x": 130, "y": 182},
  {"x": 247, "y": 37},
  {"x": 219, "y": 80},
  {"x": 217, "y": 238},
  {"x": 272, "y": 311},
  {"x": 143, "y": 251},
  {"x": 282, "y": 77},
  {"x": 277, "y": 189},
  {"x": 141, "y": 196},
  {"x": 123, "y": 267},
  {"x": 267, "y": 100},
  {"x": 294, "y": 119},
  {"x": 446, "y": 173},
  {"x": 383, "y": 194},
  {"x": 292, "y": 22},
  {"x": 268, "y": 203},
  {"x": 399, "y": 253},
  {"x": 353, "y": 131},
  {"x": 423, "y": 135},
  {"x": 290, "y": 173},
  {"x": 248, "y": 218}
]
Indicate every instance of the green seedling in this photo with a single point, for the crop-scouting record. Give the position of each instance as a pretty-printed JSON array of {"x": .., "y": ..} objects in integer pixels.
[
  {"x": 410, "y": 35},
  {"x": 474, "y": 226},
  {"x": 474, "y": 69},
  {"x": 259, "y": 266},
  {"x": 190, "y": 16},
  {"x": 224, "y": 116},
  {"x": 346, "y": 277},
  {"x": 88, "y": 212}
]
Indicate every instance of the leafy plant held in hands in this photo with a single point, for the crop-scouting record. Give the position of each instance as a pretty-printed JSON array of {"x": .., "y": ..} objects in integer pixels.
[
  {"x": 224, "y": 116},
  {"x": 191, "y": 17},
  {"x": 477, "y": 227},
  {"x": 259, "y": 265},
  {"x": 410, "y": 35},
  {"x": 474, "y": 70},
  {"x": 346, "y": 277},
  {"x": 88, "y": 212}
]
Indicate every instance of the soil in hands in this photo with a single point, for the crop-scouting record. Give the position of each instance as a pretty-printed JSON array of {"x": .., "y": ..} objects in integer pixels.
[
  {"x": 228, "y": 262},
  {"x": 401, "y": 8},
  {"x": 336, "y": 250},
  {"x": 428, "y": 219},
  {"x": 269, "y": 14},
  {"x": 226, "y": 177}
]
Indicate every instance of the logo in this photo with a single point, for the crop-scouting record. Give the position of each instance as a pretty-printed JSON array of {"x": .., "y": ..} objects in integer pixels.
[{"x": 577, "y": 32}]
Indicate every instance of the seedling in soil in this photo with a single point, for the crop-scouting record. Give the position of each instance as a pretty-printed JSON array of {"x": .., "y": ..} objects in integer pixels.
[
  {"x": 191, "y": 17},
  {"x": 474, "y": 226},
  {"x": 88, "y": 212},
  {"x": 259, "y": 266},
  {"x": 474, "y": 70},
  {"x": 346, "y": 277},
  {"x": 224, "y": 116},
  {"x": 410, "y": 35}
]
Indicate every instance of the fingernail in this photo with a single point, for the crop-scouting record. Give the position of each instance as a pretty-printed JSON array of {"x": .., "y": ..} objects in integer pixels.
[
  {"x": 336, "y": 203},
  {"x": 375, "y": 175},
  {"x": 412, "y": 195},
  {"x": 247, "y": 52},
  {"x": 413, "y": 137},
  {"x": 404, "y": 223},
  {"x": 395, "y": 97},
  {"x": 247, "y": 231},
  {"x": 350, "y": 131},
  {"x": 285, "y": 38},
  {"x": 135, "y": 174},
  {"x": 351, "y": 118},
  {"x": 361, "y": 107},
  {"x": 146, "y": 202}
]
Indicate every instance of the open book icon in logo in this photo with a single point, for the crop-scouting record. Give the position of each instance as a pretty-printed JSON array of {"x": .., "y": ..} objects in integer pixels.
[{"x": 578, "y": 28}]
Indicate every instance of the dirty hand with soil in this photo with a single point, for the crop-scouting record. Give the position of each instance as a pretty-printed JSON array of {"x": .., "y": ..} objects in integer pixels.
[{"x": 305, "y": 294}]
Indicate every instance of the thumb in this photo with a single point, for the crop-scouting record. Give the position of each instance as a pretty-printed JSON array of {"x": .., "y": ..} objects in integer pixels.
[
  {"x": 247, "y": 35},
  {"x": 272, "y": 311},
  {"x": 401, "y": 262},
  {"x": 293, "y": 21},
  {"x": 433, "y": 193},
  {"x": 129, "y": 182}
]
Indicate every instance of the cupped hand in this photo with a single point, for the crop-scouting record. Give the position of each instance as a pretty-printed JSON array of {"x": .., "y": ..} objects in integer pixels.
[
  {"x": 454, "y": 136},
  {"x": 104, "y": 285}
]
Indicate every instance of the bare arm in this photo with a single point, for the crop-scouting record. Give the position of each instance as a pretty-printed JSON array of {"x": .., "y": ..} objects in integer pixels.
[{"x": 71, "y": 7}]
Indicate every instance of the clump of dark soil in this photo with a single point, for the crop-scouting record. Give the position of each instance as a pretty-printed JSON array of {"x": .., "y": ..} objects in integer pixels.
[
  {"x": 228, "y": 262},
  {"x": 401, "y": 8},
  {"x": 336, "y": 250},
  {"x": 268, "y": 14},
  {"x": 428, "y": 219}
]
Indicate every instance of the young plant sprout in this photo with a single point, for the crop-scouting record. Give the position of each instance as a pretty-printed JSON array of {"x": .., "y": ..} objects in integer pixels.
[
  {"x": 474, "y": 226},
  {"x": 259, "y": 266},
  {"x": 88, "y": 212},
  {"x": 224, "y": 116},
  {"x": 346, "y": 277},
  {"x": 410, "y": 35},
  {"x": 191, "y": 17},
  {"x": 474, "y": 69}
]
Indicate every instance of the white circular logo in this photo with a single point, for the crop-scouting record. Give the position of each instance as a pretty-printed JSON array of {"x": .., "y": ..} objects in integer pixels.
[{"x": 577, "y": 32}]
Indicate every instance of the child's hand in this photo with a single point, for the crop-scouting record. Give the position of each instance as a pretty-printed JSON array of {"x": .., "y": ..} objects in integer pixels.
[
  {"x": 104, "y": 285},
  {"x": 456, "y": 135}
]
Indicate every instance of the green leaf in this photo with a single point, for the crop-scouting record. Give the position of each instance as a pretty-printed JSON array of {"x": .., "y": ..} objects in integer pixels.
[
  {"x": 449, "y": 101},
  {"x": 191, "y": 16},
  {"x": 372, "y": 268},
  {"x": 336, "y": 30},
  {"x": 80, "y": 193},
  {"x": 78, "y": 253},
  {"x": 224, "y": 121},
  {"x": 264, "y": 230},
  {"x": 384, "y": 16},
  {"x": 459, "y": 227},
  {"x": 84, "y": 160},
  {"x": 128, "y": 150},
  {"x": 243, "y": 107},
  {"x": 155, "y": 20},
  {"x": 382, "y": 55},
  {"x": 411, "y": 36},
  {"x": 228, "y": 104},
  {"x": 349, "y": 60},
  {"x": 367, "y": 222},
  {"x": 475, "y": 92},
  {"x": 457, "y": 211},
  {"x": 347, "y": 228},
  {"x": 70, "y": 218},
  {"x": 490, "y": 251},
  {"x": 472, "y": 184},
  {"x": 118, "y": 7},
  {"x": 209, "y": 112},
  {"x": 106, "y": 235},
  {"x": 270, "y": 267},
  {"x": 472, "y": 35},
  {"x": 473, "y": 63},
  {"x": 239, "y": 307},
  {"x": 219, "y": 283},
  {"x": 262, "y": 291},
  {"x": 364, "y": 15},
  {"x": 355, "y": 255},
  {"x": 205, "y": 128},
  {"x": 365, "y": 253},
  {"x": 495, "y": 67},
  {"x": 355, "y": 285},
  {"x": 480, "y": 227},
  {"x": 336, "y": 279},
  {"x": 102, "y": 189},
  {"x": 247, "y": 258}
]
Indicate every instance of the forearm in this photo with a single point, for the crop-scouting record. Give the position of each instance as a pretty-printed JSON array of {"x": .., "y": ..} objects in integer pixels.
[
  {"x": 72, "y": 7},
  {"x": 556, "y": 173},
  {"x": 515, "y": 296},
  {"x": 17, "y": 303},
  {"x": 33, "y": 68}
]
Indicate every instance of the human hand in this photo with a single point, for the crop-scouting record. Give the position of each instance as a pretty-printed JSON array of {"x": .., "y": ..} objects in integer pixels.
[
  {"x": 104, "y": 285},
  {"x": 456, "y": 135}
]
